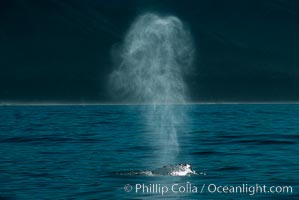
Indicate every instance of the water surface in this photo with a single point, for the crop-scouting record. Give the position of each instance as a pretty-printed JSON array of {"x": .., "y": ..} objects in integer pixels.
[{"x": 73, "y": 152}]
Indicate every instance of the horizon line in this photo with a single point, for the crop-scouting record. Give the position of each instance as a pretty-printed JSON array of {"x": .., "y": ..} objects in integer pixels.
[{"x": 140, "y": 104}]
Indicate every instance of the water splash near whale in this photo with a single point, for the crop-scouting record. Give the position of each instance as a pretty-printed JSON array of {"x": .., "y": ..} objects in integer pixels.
[{"x": 156, "y": 55}]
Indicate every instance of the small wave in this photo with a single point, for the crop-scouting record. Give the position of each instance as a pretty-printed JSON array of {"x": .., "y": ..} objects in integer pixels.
[
  {"x": 207, "y": 153},
  {"x": 267, "y": 142}
]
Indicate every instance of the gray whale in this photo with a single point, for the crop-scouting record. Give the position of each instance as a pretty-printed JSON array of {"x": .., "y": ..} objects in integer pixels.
[{"x": 168, "y": 170}]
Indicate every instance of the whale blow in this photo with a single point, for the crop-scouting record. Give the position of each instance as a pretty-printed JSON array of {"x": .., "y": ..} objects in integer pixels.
[{"x": 155, "y": 56}]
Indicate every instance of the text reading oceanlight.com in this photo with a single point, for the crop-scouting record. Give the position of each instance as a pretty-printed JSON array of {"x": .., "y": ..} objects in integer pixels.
[{"x": 250, "y": 189}]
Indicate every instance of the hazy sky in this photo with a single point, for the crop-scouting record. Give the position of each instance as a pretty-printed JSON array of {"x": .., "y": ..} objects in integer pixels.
[{"x": 61, "y": 50}]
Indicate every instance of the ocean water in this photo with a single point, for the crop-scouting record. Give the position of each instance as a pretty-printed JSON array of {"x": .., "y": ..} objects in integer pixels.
[{"x": 77, "y": 152}]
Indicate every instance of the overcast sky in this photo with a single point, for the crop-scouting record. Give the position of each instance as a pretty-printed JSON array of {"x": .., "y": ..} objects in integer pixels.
[{"x": 60, "y": 50}]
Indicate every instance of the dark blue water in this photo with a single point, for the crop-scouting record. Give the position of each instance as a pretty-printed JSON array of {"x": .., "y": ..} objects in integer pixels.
[{"x": 74, "y": 152}]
